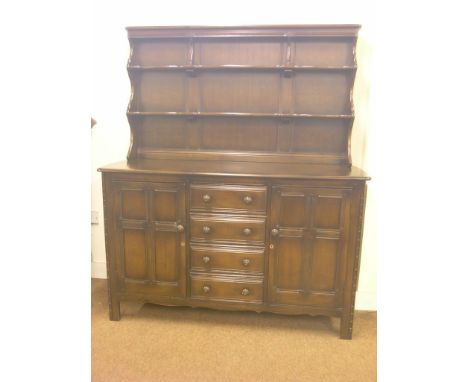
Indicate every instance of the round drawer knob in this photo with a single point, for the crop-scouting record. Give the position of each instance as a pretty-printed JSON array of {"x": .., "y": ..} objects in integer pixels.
[
  {"x": 206, "y": 259},
  {"x": 275, "y": 232},
  {"x": 248, "y": 200},
  {"x": 247, "y": 231},
  {"x": 246, "y": 262},
  {"x": 180, "y": 228},
  {"x": 206, "y": 198},
  {"x": 245, "y": 292},
  {"x": 206, "y": 288},
  {"x": 206, "y": 229}
]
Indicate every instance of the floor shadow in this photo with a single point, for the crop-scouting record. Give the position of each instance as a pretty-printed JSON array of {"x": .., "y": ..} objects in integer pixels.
[{"x": 205, "y": 316}]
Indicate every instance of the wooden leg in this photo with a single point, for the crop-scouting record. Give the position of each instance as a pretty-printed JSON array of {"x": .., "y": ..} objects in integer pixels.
[
  {"x": 346, "y": 326},
  {"x": 114, "y": 309}
]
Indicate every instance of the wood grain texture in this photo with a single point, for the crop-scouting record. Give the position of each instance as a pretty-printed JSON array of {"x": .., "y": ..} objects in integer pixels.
[
  {"x": 228, "y": 198},
  {"x": 207, "y": 287},
  {"x": 222, "y": 228},
  {"x": 216, "y": 77},
  {"x": 353, "y": 262},
  {"x": 232, "y": 169},
  {"x": 238, "y": 192},
  {"x": 110, "y": 242},
  {"x": 307, "y": 245},
  {"x": 149, "y": 248},
  {"x": 255, "y": 31},
  {"x": 227, "y": 259},
  {"x": 307, "y": 265}
]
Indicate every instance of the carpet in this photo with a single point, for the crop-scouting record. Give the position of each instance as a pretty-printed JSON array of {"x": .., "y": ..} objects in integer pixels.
[{"x": 169, "y": 344}]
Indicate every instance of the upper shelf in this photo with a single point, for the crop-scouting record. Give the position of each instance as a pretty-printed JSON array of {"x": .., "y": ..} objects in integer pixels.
[
  {"x": 238, "y": 67},
  {"x": 232, "y": 114},
  {"x": 317, "y": 30}
]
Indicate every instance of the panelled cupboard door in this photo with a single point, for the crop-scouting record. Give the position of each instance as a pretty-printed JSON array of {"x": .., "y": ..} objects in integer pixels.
[
  {"x": 150, "y": 231},
  {"x": 307, "y": 250}
]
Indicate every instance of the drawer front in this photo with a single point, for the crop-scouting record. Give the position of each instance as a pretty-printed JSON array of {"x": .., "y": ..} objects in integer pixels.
[
  {"x": 249, "y": 199},
  {"x": 211, "y": 288},
  {"x": 227, "y": 228},
  {"x": 219, "y": 259}
]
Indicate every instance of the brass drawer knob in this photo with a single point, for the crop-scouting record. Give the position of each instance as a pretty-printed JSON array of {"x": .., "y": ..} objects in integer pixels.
[
  {"x": 245, "y": 292},
  {"x": 180, "y": 228},
  {"x": 206, "y": 198},
  {"x": 248, "y": 200},
  {"x": 206, "y": 288},
  {"x": 206, "y": 229},
  {"x": 206, "y": 259},
  {"x": 247, "y": 231},
  {"x": 275, "y": 232},
  {"x": 246, "y": 262}
]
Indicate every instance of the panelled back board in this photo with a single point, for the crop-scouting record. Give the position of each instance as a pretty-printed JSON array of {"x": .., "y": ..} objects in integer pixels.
[
  {"x": 238, "y": 191},
  {"x": 271, "y": 94}
]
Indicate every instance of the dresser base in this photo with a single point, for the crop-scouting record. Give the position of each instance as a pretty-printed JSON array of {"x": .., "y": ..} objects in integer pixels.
[{"x": 278, "y": 244}]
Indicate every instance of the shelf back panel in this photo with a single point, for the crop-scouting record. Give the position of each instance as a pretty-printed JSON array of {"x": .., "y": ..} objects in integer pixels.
[{"x": 256, "y": 93}]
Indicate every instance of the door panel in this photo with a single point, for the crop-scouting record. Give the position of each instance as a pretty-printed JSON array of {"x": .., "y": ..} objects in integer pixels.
[
  {"x": 152, "y": 248},
  {"x": 165, "y": 205},
  {"x": 328, "y": 212},
  {"x": 289, "y": 263},
  {"x": 166, "y": 264},
  {"x": 292, "y": 212},
  {"x": 309, "y": 226},
  {"x": 133, "y": 204},
  {"x": 134, "y": 251},
  {"x": 323, "y": 265}
]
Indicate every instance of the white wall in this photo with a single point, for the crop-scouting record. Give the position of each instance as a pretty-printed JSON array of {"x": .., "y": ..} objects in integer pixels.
[{"x": 111, "y": 90}]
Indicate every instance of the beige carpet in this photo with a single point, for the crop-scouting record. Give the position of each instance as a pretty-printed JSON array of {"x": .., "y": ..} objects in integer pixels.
[{"x": 154, "y": 343}]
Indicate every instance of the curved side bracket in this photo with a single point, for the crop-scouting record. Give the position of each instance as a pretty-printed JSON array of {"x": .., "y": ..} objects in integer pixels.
[
  {"x": 132, "y": 154},
  {"x": 351, "y": 104}
]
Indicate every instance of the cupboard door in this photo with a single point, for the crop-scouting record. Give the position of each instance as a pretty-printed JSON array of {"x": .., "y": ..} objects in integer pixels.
[
  {"x": 150, "y": 225},
  {"x": 307, "y": 235}
]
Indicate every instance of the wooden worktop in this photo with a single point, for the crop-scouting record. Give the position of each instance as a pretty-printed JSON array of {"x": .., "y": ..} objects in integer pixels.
[{"x": 232, "y": 168}]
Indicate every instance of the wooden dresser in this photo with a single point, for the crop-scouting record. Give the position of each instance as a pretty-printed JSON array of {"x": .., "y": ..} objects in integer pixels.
[{"x": 238, "y": 190}]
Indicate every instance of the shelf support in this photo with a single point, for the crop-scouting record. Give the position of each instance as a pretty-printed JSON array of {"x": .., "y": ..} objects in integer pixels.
[{"x": 286, "y": 103}]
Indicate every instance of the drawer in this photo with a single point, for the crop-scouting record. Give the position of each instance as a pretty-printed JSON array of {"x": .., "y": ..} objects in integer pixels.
[
  {"x": 239, "y": 259},
  {"x": 250, "y": 199},
  {"x": 227, "y": 228},
  {"x": 216, "y": 288}
]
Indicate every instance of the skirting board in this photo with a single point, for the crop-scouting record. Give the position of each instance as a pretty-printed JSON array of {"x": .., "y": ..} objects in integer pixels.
[
  {"x": 364, "y": 300},
  {"x": 98, "y": 270}
]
